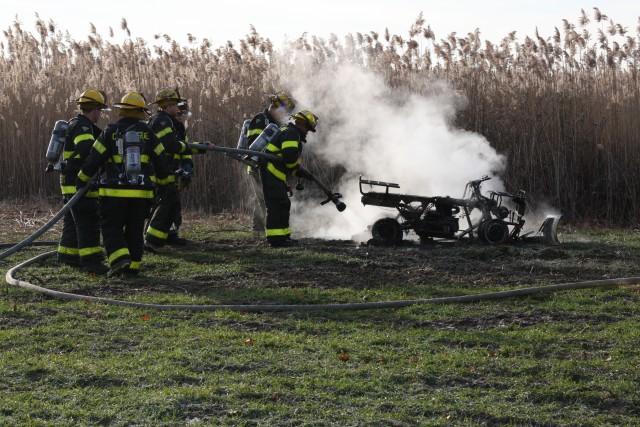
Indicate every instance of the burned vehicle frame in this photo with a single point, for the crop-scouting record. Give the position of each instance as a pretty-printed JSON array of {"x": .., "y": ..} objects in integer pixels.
[{"x": 438, "y": 217}]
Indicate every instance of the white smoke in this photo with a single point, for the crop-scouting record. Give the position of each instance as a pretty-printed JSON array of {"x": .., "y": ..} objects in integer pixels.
[{"x": 383, "y": 135}]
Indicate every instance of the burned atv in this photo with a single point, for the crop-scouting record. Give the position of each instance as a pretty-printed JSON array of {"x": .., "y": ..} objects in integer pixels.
[{"x": 438, "y": 217}]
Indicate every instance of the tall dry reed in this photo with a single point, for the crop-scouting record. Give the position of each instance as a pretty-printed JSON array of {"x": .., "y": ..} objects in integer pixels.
[{"x": 564, "y": 109}]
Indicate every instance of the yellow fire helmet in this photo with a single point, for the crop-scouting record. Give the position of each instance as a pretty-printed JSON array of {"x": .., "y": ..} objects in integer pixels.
[
  {"x": 282, "y": 100},
  {"x": 307, "y": 118},
  {"x": 133, "y": 101},
  {"x": 167, "y": 96},
  {"x": 92, "y": 99}
]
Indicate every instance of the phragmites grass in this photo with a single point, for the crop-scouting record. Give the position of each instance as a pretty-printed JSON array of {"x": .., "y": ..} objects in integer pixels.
[{"x": 564, "y": 109}]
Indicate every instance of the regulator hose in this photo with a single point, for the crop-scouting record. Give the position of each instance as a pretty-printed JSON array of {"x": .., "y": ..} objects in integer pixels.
[
  {"x": 312, "y": 307},
  {"x": 29, "y": 240}
]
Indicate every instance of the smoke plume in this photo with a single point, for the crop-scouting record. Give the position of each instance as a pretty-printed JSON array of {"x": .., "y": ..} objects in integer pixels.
[{"x": 384, "y": 135}]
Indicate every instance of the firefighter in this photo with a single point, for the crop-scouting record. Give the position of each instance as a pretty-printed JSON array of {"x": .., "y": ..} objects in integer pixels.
[
  {"x": 288, "y": 146},
  {"x": 80, "y": 238},
  {"x": 133, "y": 160},
  {"x": 162, "y": 123},
  {"x": 183, "y": 164},
  {"x": 280, "y": 106}
]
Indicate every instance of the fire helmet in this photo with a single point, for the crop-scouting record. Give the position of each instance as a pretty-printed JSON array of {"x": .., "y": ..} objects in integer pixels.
[
  {"x": 92, "y": 99},
  {"x": 167, "y": 96},
  {"x": 307, "y": 118},
  {"x": 133, "y": 104},
  {"x": 282, "y": 100}
]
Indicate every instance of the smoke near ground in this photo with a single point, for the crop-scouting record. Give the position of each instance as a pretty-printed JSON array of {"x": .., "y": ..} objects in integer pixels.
[{"x": 384, "y": 135}]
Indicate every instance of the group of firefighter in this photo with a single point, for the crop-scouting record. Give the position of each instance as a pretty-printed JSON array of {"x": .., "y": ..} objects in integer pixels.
[{"x": 135, "y": 167}]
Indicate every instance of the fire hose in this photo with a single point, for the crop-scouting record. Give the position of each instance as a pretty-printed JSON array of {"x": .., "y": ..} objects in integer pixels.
[
  {"x": 313, "y": 307},
  {"x": 241, "y": 155}
]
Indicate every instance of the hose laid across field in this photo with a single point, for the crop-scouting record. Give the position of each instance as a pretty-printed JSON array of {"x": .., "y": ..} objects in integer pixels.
[
  {"x": 310, "y": 307},
  {"x": 334, "y": 197}
]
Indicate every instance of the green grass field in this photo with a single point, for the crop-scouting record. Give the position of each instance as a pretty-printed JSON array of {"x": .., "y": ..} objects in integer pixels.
[{"x": 553, "y": 359}]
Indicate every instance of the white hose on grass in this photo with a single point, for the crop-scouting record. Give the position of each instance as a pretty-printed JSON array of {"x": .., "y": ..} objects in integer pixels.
[{"x": 311, "y": 307}]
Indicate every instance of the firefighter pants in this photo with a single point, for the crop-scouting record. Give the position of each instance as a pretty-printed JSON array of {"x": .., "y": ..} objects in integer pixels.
[
  {"x": 122, "y": 221},
  {"x": 174, "y": 231},
  {"x": 167, "y": 210},
  {"x": 257, "y": 200},
  {"x": 176, "y": 221},
  {"x": 80, "y": 239},
  {"x": 276, "y": 200}
]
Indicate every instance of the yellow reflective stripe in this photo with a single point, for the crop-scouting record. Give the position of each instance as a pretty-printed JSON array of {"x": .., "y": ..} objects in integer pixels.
[
  {"x": 67, "y": 251},
  {"x": 90, "y": 251},
  {"x": 152, "y": 178},
  {"x": 188, "y": 156},
  {"x": 163, "y": 132},
  {"x": 168, "y": 180},
  {"x": 252, "y": 132},
  {"x": 126, "y": 192},
  {"x": 117, "y": 254},
  {"x": 99, "y": 147},
  {"x": 68, "y": 189},
  {"x": 83, "y": 177},
  {"x": 278, "y": 231},
  {"x": 290, "y": 144},
  {"x": 273, "y": 149},
  {"x": 291, "y": 165},
  {"x": 159, "y": 149},
  {"x": 83, "y": 137},
  {"x": 157, "y": 233},
  {"x": 135, "y": 265},
  {"x": 277, "y": 173},
  {"x": 68, "y": 154},
  {"x": 117, "y": 158}
]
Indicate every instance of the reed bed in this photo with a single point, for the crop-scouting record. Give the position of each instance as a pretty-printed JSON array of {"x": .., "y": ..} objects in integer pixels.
[{"x": 563, "y": 108}]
